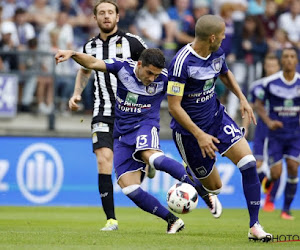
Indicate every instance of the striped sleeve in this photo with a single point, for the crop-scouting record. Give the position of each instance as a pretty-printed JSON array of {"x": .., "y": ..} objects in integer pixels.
[{"x": 178, "y": 73}]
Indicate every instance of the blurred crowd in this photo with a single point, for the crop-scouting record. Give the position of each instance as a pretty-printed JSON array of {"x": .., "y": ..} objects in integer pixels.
[{"x": 33, "y": 30}]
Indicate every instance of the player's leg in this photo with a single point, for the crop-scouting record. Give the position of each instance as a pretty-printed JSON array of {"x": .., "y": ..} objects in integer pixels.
[
  {"x": 201, "y": 170},
  {"x": 241, "y": 155},
  {"x": 290, "y": 188},
  {"x": 275, "y": 149},
  {"x": 148, "y": 151},
  {"x": 269, "y": 205},
  {"x": 103, "y": 149},
  {"x": 130, "y": 173},
  {"x": 161, "y": 162},
  {"x": 130, "y": 184}
]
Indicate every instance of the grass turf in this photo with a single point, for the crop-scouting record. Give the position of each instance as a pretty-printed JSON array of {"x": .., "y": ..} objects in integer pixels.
[{"x": 78, "y": 228}]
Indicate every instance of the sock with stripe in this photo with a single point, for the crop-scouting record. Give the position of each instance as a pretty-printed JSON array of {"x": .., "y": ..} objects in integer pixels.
[{"x": 251, "y": 186}]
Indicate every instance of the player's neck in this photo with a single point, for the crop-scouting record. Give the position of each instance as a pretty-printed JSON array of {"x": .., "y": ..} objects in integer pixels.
[
  {"x": 289, "y": 75},
  {"x": 201, "y": 48},
  {"x": 104, "y": 35}
]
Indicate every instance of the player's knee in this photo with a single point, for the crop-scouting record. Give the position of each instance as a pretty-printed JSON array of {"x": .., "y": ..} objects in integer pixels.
[
  {"x": 275, "y": 175},
  {"x": 129, "y": 189},
  {"x": 104, "y": 164}
]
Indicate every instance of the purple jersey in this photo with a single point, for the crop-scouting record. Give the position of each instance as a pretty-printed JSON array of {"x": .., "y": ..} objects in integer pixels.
[
  {"x": 136, "y": 104},
  {"x": 284, "y": 103},
  {"x": 193, "y": 77}
]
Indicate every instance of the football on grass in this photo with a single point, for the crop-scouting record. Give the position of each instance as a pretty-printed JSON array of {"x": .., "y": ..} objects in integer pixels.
[{"x": 182, "y": 198}]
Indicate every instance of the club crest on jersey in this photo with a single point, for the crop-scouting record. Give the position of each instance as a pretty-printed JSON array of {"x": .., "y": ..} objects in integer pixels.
[
  {"x": 288, "y": 103},
  {"x": 131, "y": 98},
  {"x": 208, "y": 84},
  {"x": 217, "y": 64},
  {"x": 151, "y": 89}
]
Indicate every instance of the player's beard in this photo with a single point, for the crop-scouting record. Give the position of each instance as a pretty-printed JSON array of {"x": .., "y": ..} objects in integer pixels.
[{"x": 108, "y": 29}]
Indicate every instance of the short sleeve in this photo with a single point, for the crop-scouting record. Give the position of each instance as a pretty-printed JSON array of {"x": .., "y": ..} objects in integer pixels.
[
  {"x": 177, "y": 78},
  {"x": 113, "y": 65}
]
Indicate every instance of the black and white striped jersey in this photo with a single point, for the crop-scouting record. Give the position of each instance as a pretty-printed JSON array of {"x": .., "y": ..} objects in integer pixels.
[{"x": 119, "y": 44}]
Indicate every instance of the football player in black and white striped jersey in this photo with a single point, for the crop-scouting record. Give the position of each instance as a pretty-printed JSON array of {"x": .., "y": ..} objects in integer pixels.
[{"x": 109, "y": 43}]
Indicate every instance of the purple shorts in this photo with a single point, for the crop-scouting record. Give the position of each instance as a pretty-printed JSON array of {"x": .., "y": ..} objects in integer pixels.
[
  {"x": 283, "y": 147},
  {"x": 128, "y": 147},
  {"x": 259, "y": 140},
  {"x": 225, "y": 129}
]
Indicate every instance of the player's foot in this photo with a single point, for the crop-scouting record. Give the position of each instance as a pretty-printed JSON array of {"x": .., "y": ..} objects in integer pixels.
[
  {"x": 175, "y": 226},
  {"x": 151, "y": 172},
  {"x": 256, "y": 232},
  {"x": 110, "y": 225},
  {"x": 266, "y": 185},
  {"x": 286, "y": 216},
  {"x": 214, "y": 205},
  {"x": 268, "y": 206}
]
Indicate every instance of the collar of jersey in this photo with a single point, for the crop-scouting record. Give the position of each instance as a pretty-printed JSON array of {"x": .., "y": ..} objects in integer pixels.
[
  {"x": 118, "y": 32},
  {"x": 195, "y": 53},
  {"x": 289, "y": 82}
]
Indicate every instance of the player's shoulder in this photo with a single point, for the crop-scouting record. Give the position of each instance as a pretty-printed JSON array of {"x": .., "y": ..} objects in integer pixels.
[
  {"x": 257, "y": 83},
  {"x": 127, "y": 61},
  {"x": 90, "y": 43},
  {"x": 179, "y": 61},
  {"x": 133, "y": 39},
  {"x": 272, "y": 78},
  {"x": 164, "y": 74}
]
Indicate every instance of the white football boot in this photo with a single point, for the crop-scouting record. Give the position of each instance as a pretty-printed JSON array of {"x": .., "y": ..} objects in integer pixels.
[{"x": 256, "y": 232}]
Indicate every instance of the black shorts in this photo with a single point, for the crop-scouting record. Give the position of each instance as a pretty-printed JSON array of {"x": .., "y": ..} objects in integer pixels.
[{"x": 102, "y": 135}]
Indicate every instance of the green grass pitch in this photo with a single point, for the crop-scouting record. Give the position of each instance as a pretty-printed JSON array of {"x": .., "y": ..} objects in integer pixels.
[{"x": 78, "y": 228}]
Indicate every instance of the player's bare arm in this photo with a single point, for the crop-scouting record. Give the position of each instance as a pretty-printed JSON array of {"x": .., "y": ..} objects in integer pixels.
[
  {"x": 261, "y": 111},
  {"x": 205, "y": 141},
  {"x": 83, "y": 59},
  {"x": 82, "y": 80},
  {"x": 229, "y": 80}
]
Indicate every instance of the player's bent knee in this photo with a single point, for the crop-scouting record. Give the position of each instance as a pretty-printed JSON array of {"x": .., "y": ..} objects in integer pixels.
[
  {"x": 215, "y": 191},
  {"x": 129, "y": 189},
  {"x": 153, "y": 157}
]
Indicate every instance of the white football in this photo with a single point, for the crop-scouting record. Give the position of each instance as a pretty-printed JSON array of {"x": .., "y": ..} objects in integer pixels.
[{"x": 182, "y": 198}]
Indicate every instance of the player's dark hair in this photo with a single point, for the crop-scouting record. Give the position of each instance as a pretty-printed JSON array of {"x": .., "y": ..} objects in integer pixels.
[
  {"x": 154, "y": 57},
  {"x": 106, "y": 1},
  {"x": 19, "y": 11}
]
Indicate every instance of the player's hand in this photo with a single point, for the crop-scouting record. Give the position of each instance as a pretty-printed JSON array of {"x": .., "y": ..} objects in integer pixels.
[
  {"x": 73, "y": 102},
  {"x": 247, "y": 110},
  {"x": 207, "y": 145},
  {"x": 274, "y": 125},
  {"x": 63, "y": 55}
]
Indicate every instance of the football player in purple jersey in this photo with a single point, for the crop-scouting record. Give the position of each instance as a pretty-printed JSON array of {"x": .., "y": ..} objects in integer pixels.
[
  {"x": 200, "y": 123},
  {"x": 141, "y": 87},
  {"x": 271, "y": 66},
  {"x": 282, "y": 91}
]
